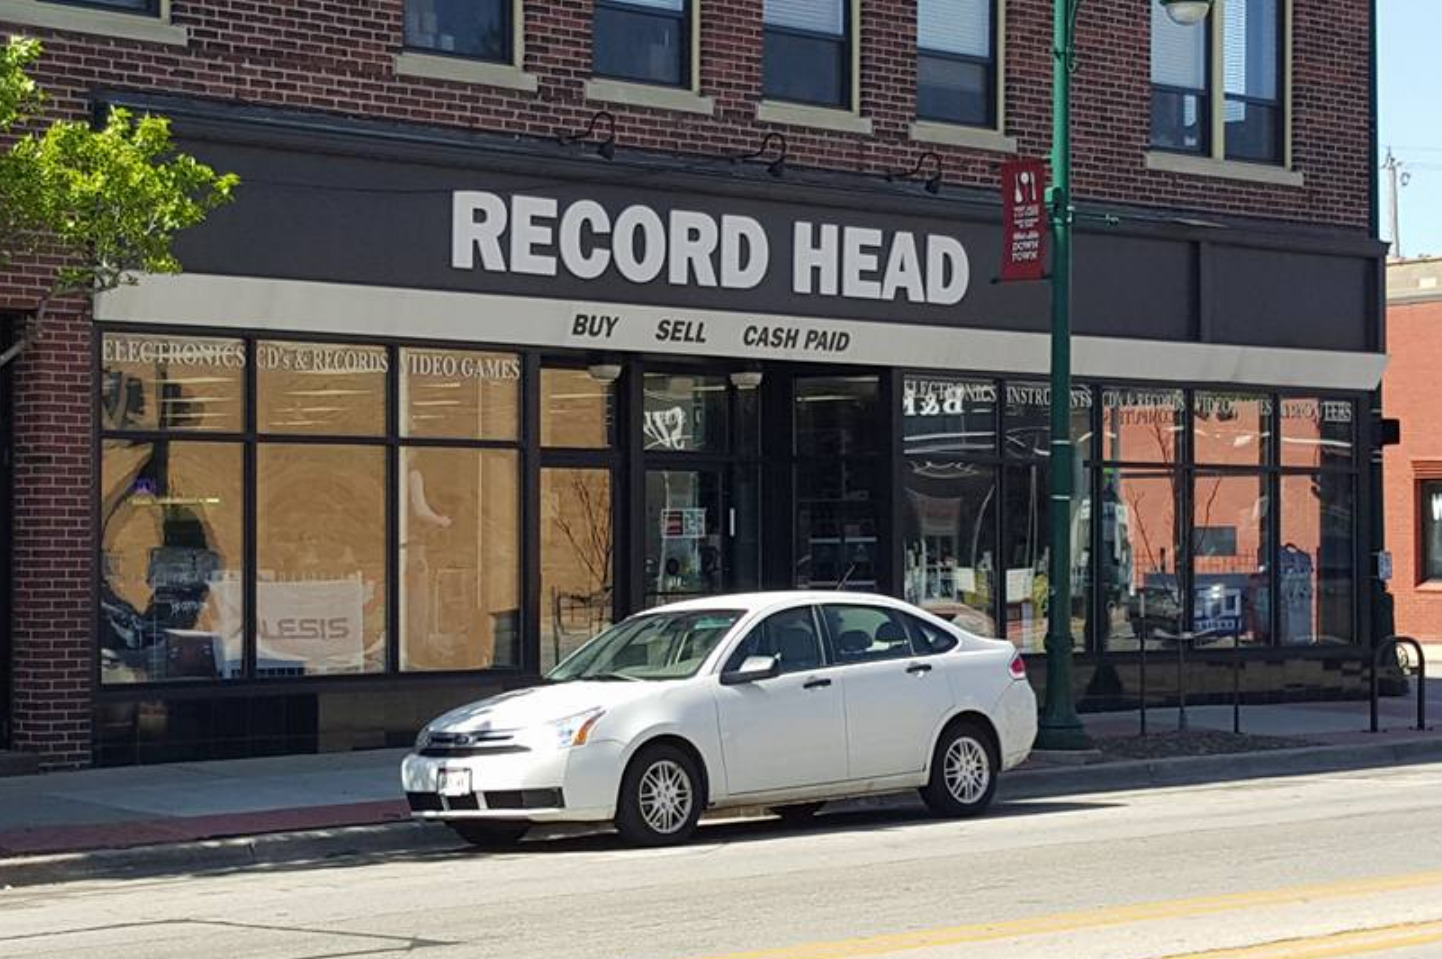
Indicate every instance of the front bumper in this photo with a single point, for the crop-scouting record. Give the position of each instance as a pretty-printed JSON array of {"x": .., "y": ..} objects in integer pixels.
[{"x": 579, "y": 784}]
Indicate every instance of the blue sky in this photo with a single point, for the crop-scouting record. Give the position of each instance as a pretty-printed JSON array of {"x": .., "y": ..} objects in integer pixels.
[{"x": 1410, "y": 103}]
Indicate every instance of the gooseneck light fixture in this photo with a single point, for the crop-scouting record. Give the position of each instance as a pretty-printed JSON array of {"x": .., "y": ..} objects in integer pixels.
[
  {"x": 606, "y": 147},
  {"x": 1060, "y": 728},
  {"x": 773, "y": 140},
  {"x": 933, "y": 182}
]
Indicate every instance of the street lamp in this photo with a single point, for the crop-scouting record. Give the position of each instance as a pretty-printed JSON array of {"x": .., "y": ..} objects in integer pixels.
[{"x": 1060, "y": 727}]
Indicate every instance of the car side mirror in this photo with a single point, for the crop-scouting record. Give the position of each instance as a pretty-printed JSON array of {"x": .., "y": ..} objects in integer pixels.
[{"x": 752, "y": 669}]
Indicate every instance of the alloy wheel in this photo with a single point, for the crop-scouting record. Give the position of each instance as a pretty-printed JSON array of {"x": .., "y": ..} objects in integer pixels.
[
  {"x": 665, "y": 797},
  {"x": 967, "y": 770}
]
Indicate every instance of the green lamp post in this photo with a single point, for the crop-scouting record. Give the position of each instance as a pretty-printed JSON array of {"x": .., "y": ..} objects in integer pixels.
[{"x": 1060, "y": 727}]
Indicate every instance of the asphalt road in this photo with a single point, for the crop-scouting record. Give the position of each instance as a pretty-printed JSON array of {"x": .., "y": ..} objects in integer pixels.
[{"x": 1331, "y": 865}]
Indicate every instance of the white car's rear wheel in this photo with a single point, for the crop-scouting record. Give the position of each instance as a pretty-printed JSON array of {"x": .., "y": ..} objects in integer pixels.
[
  {"x": 963, "y": 771},
  {"x": 660, "y": 799}
]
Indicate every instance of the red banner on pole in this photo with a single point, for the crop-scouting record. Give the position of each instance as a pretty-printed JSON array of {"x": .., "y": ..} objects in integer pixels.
[{"x": 1023, "y": 220}]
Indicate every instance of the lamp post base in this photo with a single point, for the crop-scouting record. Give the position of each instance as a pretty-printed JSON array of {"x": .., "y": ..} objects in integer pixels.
[{"x": 1062, "y": 737}]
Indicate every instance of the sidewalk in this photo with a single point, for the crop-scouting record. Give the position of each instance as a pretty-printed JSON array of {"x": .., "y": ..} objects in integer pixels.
[{"x": 71, "y": 824}]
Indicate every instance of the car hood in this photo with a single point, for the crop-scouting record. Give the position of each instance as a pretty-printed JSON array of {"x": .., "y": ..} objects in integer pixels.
[{"x": 522, "y": 708}]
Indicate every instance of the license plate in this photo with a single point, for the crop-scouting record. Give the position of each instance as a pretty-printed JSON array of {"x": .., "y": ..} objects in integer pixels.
[{"x": 453, "y": 782}]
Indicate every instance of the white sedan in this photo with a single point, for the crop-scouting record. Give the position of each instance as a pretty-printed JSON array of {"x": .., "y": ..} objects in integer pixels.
[{"x": 785, "y": 699}]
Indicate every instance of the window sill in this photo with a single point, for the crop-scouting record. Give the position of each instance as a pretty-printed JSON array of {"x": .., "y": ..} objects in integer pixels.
[
  {"x": 631, "y": 94},
  {"x": 1429, "y": 586},
  {"x": 409, "y": 63},
  {"x": 955, "y": 135},
  {"x": 822, "y": 118},
  {"x": 1224, "y": 169},
  {"x": 104, "y": 23}
]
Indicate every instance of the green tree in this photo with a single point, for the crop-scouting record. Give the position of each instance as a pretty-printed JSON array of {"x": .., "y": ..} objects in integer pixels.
[{"x": 104, "y": 202}]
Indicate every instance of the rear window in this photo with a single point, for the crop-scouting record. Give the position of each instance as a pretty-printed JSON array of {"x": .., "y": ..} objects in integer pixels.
[{"x": 928, "y": 638}]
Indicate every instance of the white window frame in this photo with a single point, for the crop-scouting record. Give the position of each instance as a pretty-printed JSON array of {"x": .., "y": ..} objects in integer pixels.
[
  {"x": 96, "y": 21},
  {"x": 1214, "y": 163},
  {"x": 508, "y": 76}
]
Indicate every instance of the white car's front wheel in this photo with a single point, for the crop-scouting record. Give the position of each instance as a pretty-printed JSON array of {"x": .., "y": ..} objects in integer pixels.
[
  {"x": 963, "y": 771},
  {"x": 660, "y": 799}
]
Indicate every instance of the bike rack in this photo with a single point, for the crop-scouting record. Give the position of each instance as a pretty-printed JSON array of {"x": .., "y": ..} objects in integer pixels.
[{"x": 1389, "y": 645}]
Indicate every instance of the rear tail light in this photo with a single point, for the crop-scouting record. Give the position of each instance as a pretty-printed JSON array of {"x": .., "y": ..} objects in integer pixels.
[{"x": 1017, "y": 666}]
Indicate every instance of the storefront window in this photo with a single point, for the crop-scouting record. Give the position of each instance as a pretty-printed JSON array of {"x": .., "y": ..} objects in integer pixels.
[
  {"x": 321, "y": 388},
  {"x": 837, "y": 415},
  {"x": 1231, "y": 429},
  {"x": 171, "y": 383},
  {"x": 950, "y": 542},
  {"x": 1316, "y": 567},
  {"x": 577, "y": 410},
  {"x": 1140, "y": 567},
  {"x": 1141, "y": 425},
  {"x": 460, "y": 558},
  {"x": 1231, "y": 575},
  {"x": 321, "y": 559},
  {"x": 171, "y": 532},
  {"x": 461, "y": 395},
  {"x": 946, "y": 415},
  {"x": 1026, "y": 551},
  {"x": 1316, "y": 432},
  {"x": 1026, "y": 421},
  {"x": 837, "y": 546},
  {"x": 684, "y": 413},
  {"x": 577, "y": 559}
]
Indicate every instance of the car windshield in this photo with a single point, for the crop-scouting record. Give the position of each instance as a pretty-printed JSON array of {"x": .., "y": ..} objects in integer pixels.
[{"x": 649, "y": 646}]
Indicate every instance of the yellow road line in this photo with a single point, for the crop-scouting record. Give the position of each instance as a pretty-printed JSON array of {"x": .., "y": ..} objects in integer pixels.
[
  {"x": 1356, "y": 943},
  {"x": 1094, "y": 918}
]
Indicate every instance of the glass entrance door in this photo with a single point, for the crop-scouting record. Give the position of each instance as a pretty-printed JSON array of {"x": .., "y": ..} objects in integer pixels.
[{"x": 700, "y": 534}]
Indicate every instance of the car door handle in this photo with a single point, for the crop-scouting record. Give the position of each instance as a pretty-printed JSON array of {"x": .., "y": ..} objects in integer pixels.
[
  {"x": 815, "y": 683},
  {"x": 919, "y": 668}
]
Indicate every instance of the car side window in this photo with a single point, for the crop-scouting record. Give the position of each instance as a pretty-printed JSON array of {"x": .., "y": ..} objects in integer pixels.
[
  {"x": 863, "y": 634},
  {"x": 928, "y": 638},
  {"x": 790, "y": 634}
]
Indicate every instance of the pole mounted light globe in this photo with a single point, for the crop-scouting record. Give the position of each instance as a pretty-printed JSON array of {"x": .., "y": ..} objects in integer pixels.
[{"x": 1187, "y": 12}]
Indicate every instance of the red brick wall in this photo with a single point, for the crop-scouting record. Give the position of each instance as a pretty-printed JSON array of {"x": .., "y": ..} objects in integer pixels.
[
  {"x": 336, "y": 56},
  {"x": 1414, "y": 342}
]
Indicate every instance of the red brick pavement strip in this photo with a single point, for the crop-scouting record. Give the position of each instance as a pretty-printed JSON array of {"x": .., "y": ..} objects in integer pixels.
[{"x": 41, "y": 840}]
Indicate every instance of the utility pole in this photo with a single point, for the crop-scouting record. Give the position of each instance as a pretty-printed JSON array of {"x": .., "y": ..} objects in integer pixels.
[{"x": 1396, "y": 179}]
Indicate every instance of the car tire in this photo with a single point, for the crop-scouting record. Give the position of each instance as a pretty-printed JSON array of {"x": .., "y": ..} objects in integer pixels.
[
  {"x": 485, "y": 834},
  {"x": 964, "y": 768},
  {"x": 797, "y": 815},
  {"x": 661, "y": 797}
]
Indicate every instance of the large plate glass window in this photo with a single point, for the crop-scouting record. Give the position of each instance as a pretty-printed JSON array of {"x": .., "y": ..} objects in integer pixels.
[
  {"x": 1231, "y": 429},
  {"x": 949, "y": 549},
  {"x": 1026, "y": 551},
  {"x": 577, "y": 559},
  {"x": 1251, "y": 67},
  {"x": 321, "y": 388},
  {"x": 460, "y": 558},
  {"x": 577, "y": 410},
  {"x": 1316, "y": 565},
  {"x": 182, "y": 383},
  {"x": 1141, "y": 563},
  {"x": 171, "y": 561},
  {"x": 1317, "y": 432},
  {"x": 1429, "y": 530},
  {"x": 1181, "y": 78},
  {"x": 1141, "y": 425},
  {"x": 1231, "y": 573},
  {"x": 320, "y": 559},
  {"x": 479, "y": 29},
  {"x": 1026, "y": 420},
  {"x": 956, "y": 61},
  {"x": 684, "y": 413},
  {"x": 838, "y": 488},
  {"x": 457, "y": 394},
  {"x": 648, "y": 41},
  {"x": 807, "y": 55},
  {"x": 946, "y": 415}
]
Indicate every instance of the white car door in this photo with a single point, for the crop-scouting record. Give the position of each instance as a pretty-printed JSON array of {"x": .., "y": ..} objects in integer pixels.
[
  {"x": 894, "y": 697},
  {"x": 790, "y": 730}
]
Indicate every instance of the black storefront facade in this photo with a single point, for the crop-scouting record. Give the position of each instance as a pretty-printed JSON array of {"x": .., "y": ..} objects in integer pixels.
[{"x": 427, "y": 409}]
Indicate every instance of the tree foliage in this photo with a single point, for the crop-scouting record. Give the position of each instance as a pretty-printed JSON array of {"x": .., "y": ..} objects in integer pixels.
[{"x": 105, "y": 202}]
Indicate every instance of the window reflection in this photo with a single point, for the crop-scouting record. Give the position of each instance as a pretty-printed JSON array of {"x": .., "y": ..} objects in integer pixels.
[
  {"x": 320, "y": 556},
  {"x": 171, "y": 558},
  {"x": 577, "y": 559},
  {"x": 1231, "y": 428},
  {"x": 684, "y": 413},
  {"x": 460, "y": 394},
  {"x": 1232, "y": 580},
  {"x": 950, "y": 542},
  {"x": 1026, "y": 551},
  {"x": 1315, "y": 568},
  {"x": 171, "y": 383},
  {"x": 319, "y": 388},
  {"x": 945, "y": 415},
  {"x": 1316, "y": 432},
  {"x": 577, "y": 411},
  {"x": 1027, "y": 420},
  {"x": 460, "y": 558},
  {"x": 1140, "y": 561},
  {"x": 1140, "y": 425}
]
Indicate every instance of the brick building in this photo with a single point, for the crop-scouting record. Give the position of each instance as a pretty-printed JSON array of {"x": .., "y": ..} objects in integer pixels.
[
  {"x": 529, "y": 315},
  {"x": 1414, "y": 467}
]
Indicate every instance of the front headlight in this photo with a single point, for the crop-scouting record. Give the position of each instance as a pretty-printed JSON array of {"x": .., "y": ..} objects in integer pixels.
[
  {"x": 573, "y": 730},
  {"x": 423, "y": 738}
]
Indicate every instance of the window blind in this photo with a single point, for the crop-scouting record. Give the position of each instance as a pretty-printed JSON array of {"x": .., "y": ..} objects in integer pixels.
[
  {"x": 954, "y": 26},
  {"x": 817, "y": 16}
]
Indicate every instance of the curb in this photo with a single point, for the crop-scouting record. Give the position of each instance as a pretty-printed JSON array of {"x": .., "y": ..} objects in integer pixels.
[{"x": 321, "y": 847}]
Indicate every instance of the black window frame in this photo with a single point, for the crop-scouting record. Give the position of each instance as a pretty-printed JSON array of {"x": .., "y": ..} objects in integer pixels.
[
  {"x": 686, "y": 20},
  {"x": 846, "y": 74},
  {"x": 992, "y": 119},
  {"x": 508, "y": 10}
]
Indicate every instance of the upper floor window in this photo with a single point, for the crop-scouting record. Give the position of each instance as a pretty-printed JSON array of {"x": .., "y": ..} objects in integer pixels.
[
  {"x": 1429, "y": 502},
  {"x": 956, "y": 61},
  {"x": 480, "y": 29},
  {"x": 1243, "y": 119},
  {"x": 129, "y": 6},
  {"x": 807, "y": 56},
  {"x": 643, "y": 40}
]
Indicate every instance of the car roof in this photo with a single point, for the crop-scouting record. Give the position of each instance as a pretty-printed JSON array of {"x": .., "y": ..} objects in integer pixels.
[{"x": 751, "y": 602}]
